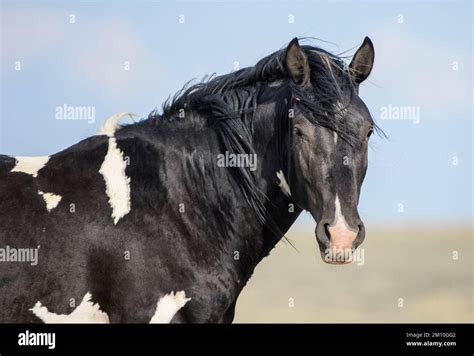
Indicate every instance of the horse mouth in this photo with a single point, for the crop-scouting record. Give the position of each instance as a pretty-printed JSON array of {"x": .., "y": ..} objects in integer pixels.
[{"x": 337, "y": 257}]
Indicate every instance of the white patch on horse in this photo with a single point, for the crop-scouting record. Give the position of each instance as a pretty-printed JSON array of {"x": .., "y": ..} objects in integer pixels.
[
  {"x": 338, "y": 214},
  {"x": 112, "y": 123},
  {"x": 117, "y": 183},
  {"x": 52, "y": 200},
  {"x": 86, "y": 312},
  {"x": 30, "y": 165},
  {"x": 283, "y": 184},
  {"x": 168, "y": 306},
  {"x": 335, "y": 137},
  {"x": 275, "y": 84}
]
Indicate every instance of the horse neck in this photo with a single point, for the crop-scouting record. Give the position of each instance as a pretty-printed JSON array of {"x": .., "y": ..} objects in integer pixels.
[{"x": 270, "y": 144}]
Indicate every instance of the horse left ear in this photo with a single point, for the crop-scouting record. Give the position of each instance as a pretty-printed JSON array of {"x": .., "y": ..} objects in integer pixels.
[
  {"x": 297, "y": 63},
  {"x": 363, "y": 61}
]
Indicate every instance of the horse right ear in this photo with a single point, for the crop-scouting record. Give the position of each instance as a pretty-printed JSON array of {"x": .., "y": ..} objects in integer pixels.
[
  {"x": 297, "y": 63},
  {"x": 362, "y": 62}
]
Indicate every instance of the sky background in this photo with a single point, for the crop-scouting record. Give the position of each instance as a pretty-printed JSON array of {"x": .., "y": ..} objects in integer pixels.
[{"x": 423, "y": 59}]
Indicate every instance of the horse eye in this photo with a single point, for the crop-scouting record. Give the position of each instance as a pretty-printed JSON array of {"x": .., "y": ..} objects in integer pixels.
[
  {"x": 371, "y": 131},
  {"x": 297, "y": 131}
]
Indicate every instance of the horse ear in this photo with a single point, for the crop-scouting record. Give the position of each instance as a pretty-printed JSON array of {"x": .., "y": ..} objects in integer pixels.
[
  {"x": 363, "y": 61},
  {"x": 297, "y": 63}
]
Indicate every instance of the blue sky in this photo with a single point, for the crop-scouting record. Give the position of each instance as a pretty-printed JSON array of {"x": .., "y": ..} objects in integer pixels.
[{"x": 423, "y": 60}]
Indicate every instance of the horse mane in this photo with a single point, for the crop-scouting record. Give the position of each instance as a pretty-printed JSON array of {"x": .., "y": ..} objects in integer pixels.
[
  {"x": 229, "y": 102},
  {"x": 235, "y": 93}
]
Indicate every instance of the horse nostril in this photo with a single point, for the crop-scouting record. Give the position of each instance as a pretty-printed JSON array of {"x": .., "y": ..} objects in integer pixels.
[
  {"x": 360, "y": 235},
  {"x": 323, "y": 235},
  {"x": 327, "y": 232}
]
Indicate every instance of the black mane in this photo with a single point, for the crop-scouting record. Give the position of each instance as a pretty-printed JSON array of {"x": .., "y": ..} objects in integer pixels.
[
  {"x": 235, "y": 94},
  {"x": 229, "y": 101}
]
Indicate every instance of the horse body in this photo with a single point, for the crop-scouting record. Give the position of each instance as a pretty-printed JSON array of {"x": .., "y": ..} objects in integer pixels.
[
  {"x": 140, "y": 224},
  {"x": 173, "y": 238}
]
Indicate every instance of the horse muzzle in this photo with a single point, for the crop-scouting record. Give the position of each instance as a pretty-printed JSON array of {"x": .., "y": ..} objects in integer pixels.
[{"x": 337, "y": 242}]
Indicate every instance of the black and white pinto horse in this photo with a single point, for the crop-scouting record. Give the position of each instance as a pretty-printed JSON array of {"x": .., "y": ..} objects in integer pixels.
[{"x": 165, "y": 219}]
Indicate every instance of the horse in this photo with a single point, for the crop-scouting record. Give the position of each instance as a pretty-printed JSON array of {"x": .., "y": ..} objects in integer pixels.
[{"x": 165, "y": 219}]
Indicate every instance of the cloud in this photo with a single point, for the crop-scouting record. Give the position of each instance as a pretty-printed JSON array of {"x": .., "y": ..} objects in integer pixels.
[
  {"x": 92, "y": 54},
  {"x": 420, "y": 72},
  {"x": 115, "y": 60},
  {"x": 29, "y": 31}
]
